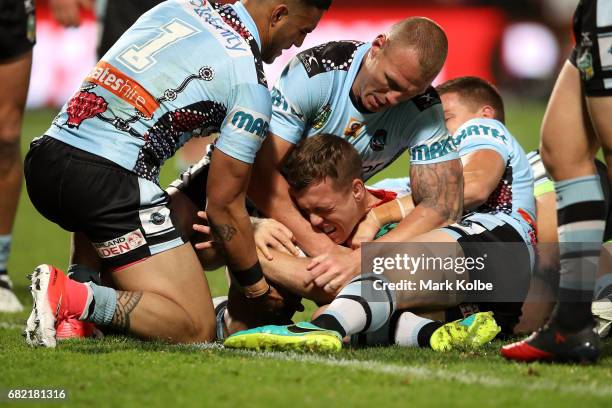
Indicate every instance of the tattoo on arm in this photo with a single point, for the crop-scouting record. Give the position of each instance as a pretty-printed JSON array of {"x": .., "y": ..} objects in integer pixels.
[
  {"x": 223, "y": 232},
  {"x": 126, "y": 302},
  {"x": 440, "y": 187}
]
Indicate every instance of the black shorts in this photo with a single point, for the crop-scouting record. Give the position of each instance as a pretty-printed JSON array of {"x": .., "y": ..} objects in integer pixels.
[
  {"x": 508, "y": 266},
  {"x": 17, "y": 28},
  {"x": 592, "y": 54},
  {"x": 126, "y": 218}
]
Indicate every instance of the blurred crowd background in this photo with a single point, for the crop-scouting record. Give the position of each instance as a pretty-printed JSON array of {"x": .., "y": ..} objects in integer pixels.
[{"x": 517, "y": 44}]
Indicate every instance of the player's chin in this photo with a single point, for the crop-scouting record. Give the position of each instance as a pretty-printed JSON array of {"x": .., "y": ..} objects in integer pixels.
[
  {"x": 338, "y": 236},
  {"x": 271, "y": 56}
]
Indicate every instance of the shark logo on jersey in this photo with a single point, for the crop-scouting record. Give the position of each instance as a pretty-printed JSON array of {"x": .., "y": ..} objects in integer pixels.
[
  {"x": 378, "y": 140},
  {"x": 249, "y": 122}
]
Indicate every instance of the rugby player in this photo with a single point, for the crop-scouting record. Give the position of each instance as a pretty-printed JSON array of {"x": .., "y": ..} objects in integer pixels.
[
  {"x": 498, "y": 194},
  {"x": 378, "y": 96},
  {"x": 545, "y": 279},
  {"x": 576, "y": 123},
  {"x": 95, "y": 171},
  {"x": 17, "y": 37}
]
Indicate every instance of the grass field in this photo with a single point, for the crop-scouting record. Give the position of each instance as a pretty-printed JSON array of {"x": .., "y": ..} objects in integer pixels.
[{"x": 120, "y": 371}]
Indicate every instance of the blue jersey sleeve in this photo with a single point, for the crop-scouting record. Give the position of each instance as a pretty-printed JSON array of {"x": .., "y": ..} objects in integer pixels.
[
  {"x": 431, "y": 141},
  {"x": 480, "y": 134},
  {"x": 246, "y": 124},
  {"x": 296, "y": 99}
]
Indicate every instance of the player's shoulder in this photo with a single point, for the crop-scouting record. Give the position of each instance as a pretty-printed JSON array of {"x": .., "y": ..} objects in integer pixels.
[
  {"x": 427, "y": 100},
  {"x": 328, "y": 57}
]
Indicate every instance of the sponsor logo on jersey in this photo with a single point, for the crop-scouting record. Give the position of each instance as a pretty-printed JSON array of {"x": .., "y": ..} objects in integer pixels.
[
  {"x": 480, "y": 130},
  {"x": 427, "y": 99},
  {"x": 249, "y": 122},
  {"x": 123, "y": 87},
  {"x": 279, "y": 101},
  {"x": 309, "y": 61},
  {"x": 353, "y": 127},
  {"x": 379, "y": 140},
  {"x": 586, "y": 39},
  {"x": 233, "y": 43},
  {"x": 433, "y": 150},
  {"x": 322, "y": 117},
  {"x": 120, "y": 245}
]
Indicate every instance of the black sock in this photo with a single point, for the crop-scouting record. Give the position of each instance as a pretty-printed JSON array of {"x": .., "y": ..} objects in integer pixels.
[
  {"x": 426, "y": 332},
  {"x": 573, "y": 311},
  {"x": 328, "y": 322}
]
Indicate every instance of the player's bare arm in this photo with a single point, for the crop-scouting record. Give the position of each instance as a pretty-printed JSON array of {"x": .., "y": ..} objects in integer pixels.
[
  {"x": 437, "y": 191},
  {"x": 229, "y": 220},
  {"x": 482, "y": 171}
]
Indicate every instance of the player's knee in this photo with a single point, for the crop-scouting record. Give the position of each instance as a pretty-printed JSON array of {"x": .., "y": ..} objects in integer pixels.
[
  {"x": 9, "y": 144},
  {"x": 549, "y": 158},
  {"x": 202, "y": 330}
]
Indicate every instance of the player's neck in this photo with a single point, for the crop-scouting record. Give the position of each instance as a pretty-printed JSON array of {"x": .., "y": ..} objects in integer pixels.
[
  {"x": 260, "y": 14},
  {"x": 371, "y": 200}
]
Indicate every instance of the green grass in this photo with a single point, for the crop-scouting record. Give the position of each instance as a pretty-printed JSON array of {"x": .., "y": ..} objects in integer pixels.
[{"x": 120, "y": 371}]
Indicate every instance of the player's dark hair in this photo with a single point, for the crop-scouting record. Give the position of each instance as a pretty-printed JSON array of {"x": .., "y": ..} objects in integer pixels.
[
  {"x": 476, "y": 92},
  {"x": 320, "y": 4},
  {"x": 427, "y": 38},
  {"x": 319, "y": 157}
]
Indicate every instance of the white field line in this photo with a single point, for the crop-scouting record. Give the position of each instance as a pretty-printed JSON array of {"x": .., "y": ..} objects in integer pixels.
[{"x": 463, "y": 376}]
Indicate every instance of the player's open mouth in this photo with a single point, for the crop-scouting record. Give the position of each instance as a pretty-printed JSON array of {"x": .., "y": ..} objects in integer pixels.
[{"x": 329, "y": 229}]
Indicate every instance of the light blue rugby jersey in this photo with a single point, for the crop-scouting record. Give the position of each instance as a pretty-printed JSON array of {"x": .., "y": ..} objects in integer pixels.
[
  {"x": 313, "y": 96},
  {"x": 515, "y": 192},
  {"x": 185, "y": 68}
]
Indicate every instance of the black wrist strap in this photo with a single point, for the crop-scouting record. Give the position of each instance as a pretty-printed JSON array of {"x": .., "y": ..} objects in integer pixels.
[{"x": 249, "y": 276}]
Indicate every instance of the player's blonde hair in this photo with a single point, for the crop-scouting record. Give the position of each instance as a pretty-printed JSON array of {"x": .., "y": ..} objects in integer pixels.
[{"x": 424, "y": 36}]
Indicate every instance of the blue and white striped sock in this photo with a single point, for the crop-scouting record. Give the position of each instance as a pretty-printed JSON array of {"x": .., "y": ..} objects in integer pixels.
[
  {"x": 581, "y": 217},
  {"x": 5, "y": 249},
  {"x": 359, "y": 307}
]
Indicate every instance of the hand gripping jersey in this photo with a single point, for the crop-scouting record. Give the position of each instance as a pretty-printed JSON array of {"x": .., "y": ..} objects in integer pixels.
[
  {"x": 313, "y": 96},
  {"x": 186, "y": 68}
]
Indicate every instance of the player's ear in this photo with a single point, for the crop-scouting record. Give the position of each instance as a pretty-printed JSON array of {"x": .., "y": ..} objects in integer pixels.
[
  {"x": 278, "y": 13},
  {"x": 358, "y": 189},
  {"x": 378, "y": 43},
  {"x": 488, "y": 112}
]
